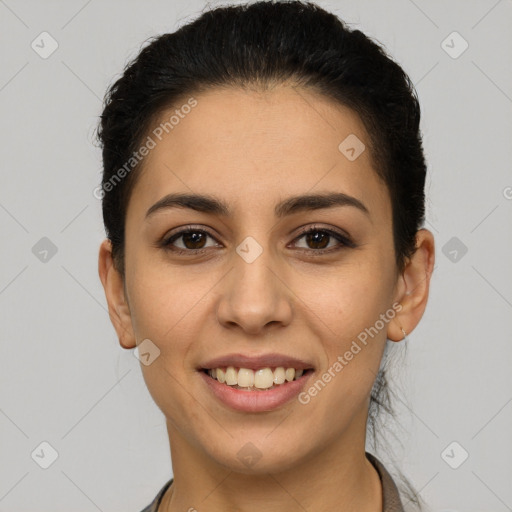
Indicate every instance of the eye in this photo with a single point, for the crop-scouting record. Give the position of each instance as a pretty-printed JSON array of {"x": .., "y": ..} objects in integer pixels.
[
  {"x": 319, "y": 239},
  {"x": 193, "y": 240}
]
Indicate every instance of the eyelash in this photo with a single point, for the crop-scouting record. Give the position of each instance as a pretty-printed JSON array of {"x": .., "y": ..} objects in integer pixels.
[{"x": 344, "y": 241}]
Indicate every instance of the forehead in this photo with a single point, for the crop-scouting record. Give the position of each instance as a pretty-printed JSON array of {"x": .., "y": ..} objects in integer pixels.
[{"x": 253, "y": 147}]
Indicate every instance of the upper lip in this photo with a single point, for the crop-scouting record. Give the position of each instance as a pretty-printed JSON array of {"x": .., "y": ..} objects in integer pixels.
[{"x": 272, "y": 360}]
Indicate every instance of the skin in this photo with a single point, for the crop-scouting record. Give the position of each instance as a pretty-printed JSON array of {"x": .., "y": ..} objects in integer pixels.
[{"x": 253, "y": 149}]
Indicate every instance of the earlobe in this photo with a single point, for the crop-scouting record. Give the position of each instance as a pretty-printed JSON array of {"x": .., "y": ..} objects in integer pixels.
[
  {"x": 414, "y": 287},
  {"x": 113, "y": 285}
]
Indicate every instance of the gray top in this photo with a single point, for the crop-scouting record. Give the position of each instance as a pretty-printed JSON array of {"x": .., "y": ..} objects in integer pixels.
[{"x": 390, "y": 497}]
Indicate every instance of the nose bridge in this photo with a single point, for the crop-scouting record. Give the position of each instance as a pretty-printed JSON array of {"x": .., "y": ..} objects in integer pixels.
[
  {"x": 253, "y": 296},
  {"x": 252, "y": 267}
]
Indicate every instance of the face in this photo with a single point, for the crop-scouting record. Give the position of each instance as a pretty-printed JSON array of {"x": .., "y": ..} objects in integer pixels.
[{"x": 247, "y": 286}]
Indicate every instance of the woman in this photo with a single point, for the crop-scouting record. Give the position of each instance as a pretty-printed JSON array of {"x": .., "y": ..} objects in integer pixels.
[{"x": 263, "y": 198}]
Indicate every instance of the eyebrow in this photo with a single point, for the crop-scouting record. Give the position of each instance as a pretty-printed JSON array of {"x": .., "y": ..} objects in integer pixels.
[{"x": 295, "y": 204}]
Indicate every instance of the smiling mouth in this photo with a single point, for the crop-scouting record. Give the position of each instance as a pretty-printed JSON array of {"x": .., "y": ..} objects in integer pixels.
[{"x": 261, "y": 379}]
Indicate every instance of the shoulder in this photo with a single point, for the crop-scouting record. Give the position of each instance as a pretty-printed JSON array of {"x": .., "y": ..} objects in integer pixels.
[
  {"x": 153, "y": 506},
  {"x": 391, "y": 501}
]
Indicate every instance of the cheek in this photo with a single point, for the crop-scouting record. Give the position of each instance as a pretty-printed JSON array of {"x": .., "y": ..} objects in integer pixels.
[
  {"x": 349, "y": 298},
  {"x": 162, "y": 298},
  {"x": 351, "y": 314},
  {"x": 164, "y": 309}
]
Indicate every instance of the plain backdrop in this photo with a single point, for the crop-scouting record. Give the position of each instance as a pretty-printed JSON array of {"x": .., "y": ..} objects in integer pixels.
[{"x": 64, "y": 379}]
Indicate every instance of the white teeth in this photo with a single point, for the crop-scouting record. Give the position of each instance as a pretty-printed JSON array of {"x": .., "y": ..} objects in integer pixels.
[
  {"x": 221, "y": 376},
  {"x": 231, "y": 376},
  {"x": 264, "y": 378},
  {"x": 290, "y": 374},
  {"x": 279, "y": 375},
  {"x": 245, "y": 378}
]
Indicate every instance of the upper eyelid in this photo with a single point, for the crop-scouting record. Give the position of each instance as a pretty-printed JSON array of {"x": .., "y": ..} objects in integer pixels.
[
  {"x": 187, "y": 229},
  {"x": 303, "y": 230}
]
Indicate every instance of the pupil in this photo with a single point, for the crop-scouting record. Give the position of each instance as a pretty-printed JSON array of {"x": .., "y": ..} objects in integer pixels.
[
  {"x": 194, "y": 238},
  {"x": 315, "y": 238}
]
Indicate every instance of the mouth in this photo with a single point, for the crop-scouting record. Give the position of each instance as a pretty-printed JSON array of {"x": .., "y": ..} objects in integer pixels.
[
  {"x": 255, "y": 383},
  {"x": 258, "y": 379}
]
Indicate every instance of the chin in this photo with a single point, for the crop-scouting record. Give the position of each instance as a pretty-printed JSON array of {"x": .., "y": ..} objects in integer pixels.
[{"x": 255, "y": 455}]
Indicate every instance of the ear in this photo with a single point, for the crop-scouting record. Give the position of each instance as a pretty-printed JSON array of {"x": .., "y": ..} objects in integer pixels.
[
  {"x": 118, "y": 308},
  {"x": 413, "y": 287}
]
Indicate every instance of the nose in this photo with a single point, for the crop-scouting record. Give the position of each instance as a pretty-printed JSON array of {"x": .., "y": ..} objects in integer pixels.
[{"x": 254, "y": 296}]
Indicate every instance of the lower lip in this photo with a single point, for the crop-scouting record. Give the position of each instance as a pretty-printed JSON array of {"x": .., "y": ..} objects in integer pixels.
[{"x": 256, "y": 401}]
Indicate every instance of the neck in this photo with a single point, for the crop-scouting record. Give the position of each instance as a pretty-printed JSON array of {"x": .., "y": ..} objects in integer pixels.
[{"x": 338, "y": 478}]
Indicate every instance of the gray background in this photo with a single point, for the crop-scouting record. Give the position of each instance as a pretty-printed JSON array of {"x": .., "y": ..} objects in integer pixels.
[{"x": 63, "y": 377}]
